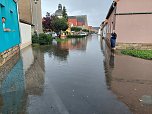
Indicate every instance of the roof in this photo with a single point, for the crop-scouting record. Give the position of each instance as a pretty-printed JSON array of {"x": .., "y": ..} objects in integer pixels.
[
  {"x": 80, "y": 18},
  {"x": 58, "y": 12},
  {"x": 25, "y": 22},
  {"x": 72, "y": 17},
  {"x": 113, "y": 6}
]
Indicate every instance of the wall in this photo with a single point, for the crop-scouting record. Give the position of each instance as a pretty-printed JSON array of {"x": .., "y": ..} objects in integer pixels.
[
  {"x": 134, "y": 28},
  {"x": 25, "y": 11},
  {"x": 125, "y": 6},
  {"x": 25, "y": 30},
  {"x": 8, "y": 54},
  {"x": 37, "y": 16},
  {"x": 109, "y": 27},
  {"x": 8, "y": 9},
  {"x": 72, "y": 21}
]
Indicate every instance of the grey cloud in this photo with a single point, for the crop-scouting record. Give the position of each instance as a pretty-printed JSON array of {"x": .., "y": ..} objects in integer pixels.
[{"x": 95, "y": 9}]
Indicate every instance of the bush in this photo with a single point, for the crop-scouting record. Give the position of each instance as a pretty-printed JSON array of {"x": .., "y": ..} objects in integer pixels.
[
  {"x": 34, "y": 39},
  {"x": 76, "y": 29},
  {"x": 85, "y": 30},
  {"x": 42, "y": 39}
]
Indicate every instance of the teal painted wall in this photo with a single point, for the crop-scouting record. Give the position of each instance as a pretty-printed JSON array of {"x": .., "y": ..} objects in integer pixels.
[{"x": 8, "y": 9}]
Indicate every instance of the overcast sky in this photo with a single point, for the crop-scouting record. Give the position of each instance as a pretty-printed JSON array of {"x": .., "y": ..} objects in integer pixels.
[{"x": 96, "y": 10}]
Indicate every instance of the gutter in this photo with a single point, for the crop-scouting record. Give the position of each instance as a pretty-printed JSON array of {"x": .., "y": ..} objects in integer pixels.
[
  {"x": 134, "y": 13},
  {"x": 23, "y": 21},
  {"x": 113, "y": 6}
]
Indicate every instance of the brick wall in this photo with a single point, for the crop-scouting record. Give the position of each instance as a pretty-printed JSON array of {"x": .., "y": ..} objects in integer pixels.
[{"x": 8, "y": 54}]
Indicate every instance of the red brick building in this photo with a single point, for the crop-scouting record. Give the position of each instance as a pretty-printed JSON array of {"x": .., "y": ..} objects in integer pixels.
[
  {"x": 78, "y": 20},
  {"x": 73, "y": 21}
]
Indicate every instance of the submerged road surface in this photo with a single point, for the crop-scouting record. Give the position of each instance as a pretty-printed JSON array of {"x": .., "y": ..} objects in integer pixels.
[{"x": 79, "y": 76}]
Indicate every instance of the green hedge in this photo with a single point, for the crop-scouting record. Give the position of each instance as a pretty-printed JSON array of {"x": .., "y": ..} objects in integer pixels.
[
  {"x": 76, "y": 36},
  {"x": 144, "y": 54},
  {"x": 42, "y": 39}
]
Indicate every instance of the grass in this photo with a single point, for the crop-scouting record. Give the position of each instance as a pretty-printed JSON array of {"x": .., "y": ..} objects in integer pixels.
[{"x": 144, "y": 54}]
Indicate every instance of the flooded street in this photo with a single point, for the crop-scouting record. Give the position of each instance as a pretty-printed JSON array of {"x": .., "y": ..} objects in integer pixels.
[{"x": 79, "y": 76}]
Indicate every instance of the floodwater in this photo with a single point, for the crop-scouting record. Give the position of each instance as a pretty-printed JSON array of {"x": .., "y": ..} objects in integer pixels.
[{"x": 79, "y": 76}]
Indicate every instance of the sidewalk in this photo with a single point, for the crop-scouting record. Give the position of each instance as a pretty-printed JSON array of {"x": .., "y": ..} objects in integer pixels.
[{"x": 130, "y": 79}]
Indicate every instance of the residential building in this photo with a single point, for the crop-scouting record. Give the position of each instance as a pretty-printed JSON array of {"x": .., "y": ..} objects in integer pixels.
[
  {"x": 9, "y": 44},
  {"x": 131, "y": 19},
  {"x": 25, "y": 16},
  {"x": 30, "y": 20},
  {"x": 72, "y": 20},
  {"x": 80, "y": 20}
]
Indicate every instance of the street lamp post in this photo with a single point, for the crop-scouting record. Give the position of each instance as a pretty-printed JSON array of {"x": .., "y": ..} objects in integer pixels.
[{"x": 36, "y": 1}]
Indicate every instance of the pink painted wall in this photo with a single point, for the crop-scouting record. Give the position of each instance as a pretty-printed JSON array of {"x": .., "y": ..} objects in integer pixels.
[
  {"x": 134, "y": 28},
  {"x": 126, "y": 6}
]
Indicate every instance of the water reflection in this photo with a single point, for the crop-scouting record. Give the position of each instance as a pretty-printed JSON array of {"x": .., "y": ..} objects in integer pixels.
[
  {"x": 20, "y": 77},
  {"x": 60, "y": 51},
  {"x": 130, "y": 79},
  {"x": 109, "y": 62},
  {"x": 74, "y": 44},
  {"x": 35, "y": 72},
  {"x": 12, "y": 88}
]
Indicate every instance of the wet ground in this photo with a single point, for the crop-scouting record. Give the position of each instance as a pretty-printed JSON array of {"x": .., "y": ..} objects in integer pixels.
[{"x": 75, "y": 77}]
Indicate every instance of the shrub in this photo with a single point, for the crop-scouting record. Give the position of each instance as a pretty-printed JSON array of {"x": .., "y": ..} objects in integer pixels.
[
  {"x": 76, "y": 29},
  {"x": 34, "y": 39},
  {"x": 42, "y": 39}
]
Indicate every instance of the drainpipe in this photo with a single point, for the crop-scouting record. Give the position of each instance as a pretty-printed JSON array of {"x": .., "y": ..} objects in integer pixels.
[{"x": 115, "y": 11}]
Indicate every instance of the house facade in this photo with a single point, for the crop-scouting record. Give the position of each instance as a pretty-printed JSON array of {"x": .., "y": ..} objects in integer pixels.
[
  {"x": 131, "y": 20},
  {"x": 80, "y": 20},
  {"x": 10, "y": 41},
  {"x": 30, "y": 20},
  {"x": 25, "y": 17}
]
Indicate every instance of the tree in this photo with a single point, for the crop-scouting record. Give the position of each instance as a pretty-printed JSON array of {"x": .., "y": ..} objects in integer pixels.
[
  {"x": 46, "y": 23},
  {"x": 59, "y": 24},
  {"x": 53, "y": 23},
  {"x": 64, "y": 13}
]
